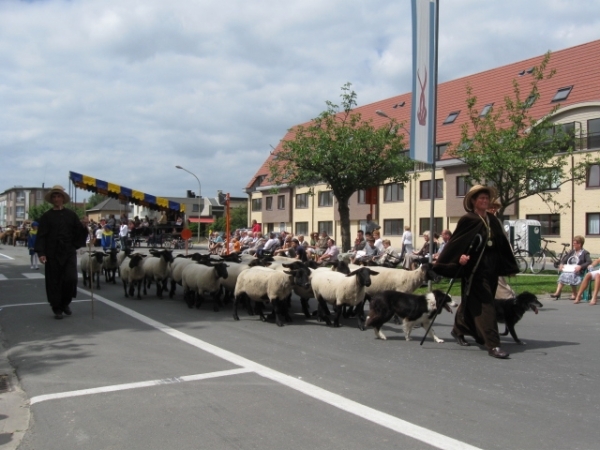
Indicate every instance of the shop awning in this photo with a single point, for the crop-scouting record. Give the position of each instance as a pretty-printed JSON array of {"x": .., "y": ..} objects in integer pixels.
[
  {"x": 124, "y": 193},
  {"x": 201, "y": 220}
]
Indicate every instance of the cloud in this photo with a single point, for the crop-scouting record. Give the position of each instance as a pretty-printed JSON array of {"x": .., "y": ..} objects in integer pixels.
[{"x": 124, "y": 91}]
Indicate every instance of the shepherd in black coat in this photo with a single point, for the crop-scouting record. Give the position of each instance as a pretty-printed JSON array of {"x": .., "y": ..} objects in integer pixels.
[{"x": 60, "y": 234}]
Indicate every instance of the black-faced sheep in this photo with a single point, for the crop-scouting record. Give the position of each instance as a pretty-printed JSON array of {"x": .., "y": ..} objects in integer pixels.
[
  {"x": 339, "y": 289},
  {"x": 91, "y": 262},
  {"x": 110, "y": 265},
  {"x": 157, "y": 269},
  {"x": 177, "y": 266},
  {"x": 260, "y": 284},
  {"x": 132, "y": 274},
  {"x": 199, "y": 278}
]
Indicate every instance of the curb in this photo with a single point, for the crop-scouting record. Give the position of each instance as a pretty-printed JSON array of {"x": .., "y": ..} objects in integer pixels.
[{"x": 14, "y": 404}]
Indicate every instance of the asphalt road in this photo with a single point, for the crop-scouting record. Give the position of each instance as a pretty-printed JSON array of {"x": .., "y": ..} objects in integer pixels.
[{"x": 153, "y": 374}]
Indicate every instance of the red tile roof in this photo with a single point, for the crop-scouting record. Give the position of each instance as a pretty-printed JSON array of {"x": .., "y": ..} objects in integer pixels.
[{"x": 576, "y": 66}]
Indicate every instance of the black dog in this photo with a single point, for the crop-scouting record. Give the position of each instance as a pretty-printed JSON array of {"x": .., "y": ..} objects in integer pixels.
[
  {"x": 411, "y": 308},
  {"x": 510, "y": 311}
]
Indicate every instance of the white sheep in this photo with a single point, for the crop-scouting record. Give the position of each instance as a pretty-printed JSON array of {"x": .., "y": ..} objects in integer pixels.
[
  {"x": 199, "y": 278},
  {"x": 157, "y": 269},
  {"x": 132, "y": 274},
  {"x": 91, "y": 262},
  {"x": 399, "y": 280},
  {"x": 260, "y": 284},
  {"x": 177, "y": 266},
  {"x": 340, "y": 289}
]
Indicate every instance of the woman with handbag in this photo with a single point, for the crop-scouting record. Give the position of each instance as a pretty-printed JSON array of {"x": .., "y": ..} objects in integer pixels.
[{"x": 572, "y": 267}]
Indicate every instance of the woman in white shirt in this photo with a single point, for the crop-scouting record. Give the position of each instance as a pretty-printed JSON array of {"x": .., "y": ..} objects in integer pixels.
[{"x": 407, "y": 242}]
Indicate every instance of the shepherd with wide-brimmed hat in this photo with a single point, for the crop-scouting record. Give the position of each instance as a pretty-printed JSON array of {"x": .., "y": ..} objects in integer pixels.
[
  {"x": 60, "y": 234},
  {"x": 479, "y": 253}
]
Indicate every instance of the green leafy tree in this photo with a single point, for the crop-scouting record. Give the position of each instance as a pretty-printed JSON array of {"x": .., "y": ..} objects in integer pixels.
[
  {"x": 35, "y": 212},
  {"x": 238, "y": 219},
  {"x": 94, "y": 200},
  {"x": 344, "y": 151},
  {"x": 520, "y": 155}
]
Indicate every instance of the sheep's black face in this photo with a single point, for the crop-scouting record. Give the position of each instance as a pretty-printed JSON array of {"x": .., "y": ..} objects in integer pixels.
[
  {"x": 221, "y": 270},
  {"x": 301, "y": 277}
]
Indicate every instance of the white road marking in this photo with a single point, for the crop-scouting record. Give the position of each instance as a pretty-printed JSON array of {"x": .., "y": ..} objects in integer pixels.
[
  {"x": 141, "y": 384},
  {"x": 40, "y": 303},
  {"x": 365, "y": 412},
  {"x": 29, "y": 276},
  {"x": 34, "y": 275},
  {"x": 6, "y": 256}
]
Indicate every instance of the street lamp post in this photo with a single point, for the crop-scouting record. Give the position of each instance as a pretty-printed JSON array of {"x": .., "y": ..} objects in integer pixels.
[{"x": 199, "y": 197}]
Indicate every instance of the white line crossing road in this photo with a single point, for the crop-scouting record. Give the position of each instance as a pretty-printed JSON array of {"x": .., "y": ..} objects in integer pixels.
[{"x": 25, "y": 276}]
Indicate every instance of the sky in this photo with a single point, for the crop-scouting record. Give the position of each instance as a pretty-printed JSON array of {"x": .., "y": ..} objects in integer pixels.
[{"x": 125, "y": 90}]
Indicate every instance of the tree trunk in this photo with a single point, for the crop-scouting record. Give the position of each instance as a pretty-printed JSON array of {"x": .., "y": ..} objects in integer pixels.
[{"x": 344, "y": 211}]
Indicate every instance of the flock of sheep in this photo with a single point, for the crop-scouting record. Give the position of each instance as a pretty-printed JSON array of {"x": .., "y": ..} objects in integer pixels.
[{"x": 252, "y": 282}]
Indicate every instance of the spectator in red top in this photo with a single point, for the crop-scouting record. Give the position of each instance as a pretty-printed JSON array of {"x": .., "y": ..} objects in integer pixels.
[{"x": 256, "y": 226}]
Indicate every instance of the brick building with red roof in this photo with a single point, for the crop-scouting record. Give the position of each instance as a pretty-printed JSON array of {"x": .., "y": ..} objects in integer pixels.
[{"x": 312, "y": 208}]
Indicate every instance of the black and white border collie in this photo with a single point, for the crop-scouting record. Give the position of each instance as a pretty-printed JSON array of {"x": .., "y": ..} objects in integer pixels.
[{"x": 411, "y": 308}]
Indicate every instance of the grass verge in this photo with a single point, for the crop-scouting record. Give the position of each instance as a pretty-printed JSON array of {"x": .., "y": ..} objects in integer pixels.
[{"x": 536, "y": 284}]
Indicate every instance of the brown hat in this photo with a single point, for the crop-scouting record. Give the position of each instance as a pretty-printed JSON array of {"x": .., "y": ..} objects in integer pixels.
[
  {"x": 476, "y": 190},
  {"x": 57, "y": 189}
]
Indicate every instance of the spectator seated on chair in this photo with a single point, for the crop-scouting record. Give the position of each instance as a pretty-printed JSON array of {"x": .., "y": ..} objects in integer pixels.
[
  {"x": 584, "y": 287},
  {"x": 411, "y": 261}
]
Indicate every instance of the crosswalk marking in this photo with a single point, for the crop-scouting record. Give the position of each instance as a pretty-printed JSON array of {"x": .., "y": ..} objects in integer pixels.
[
  {"x": 33, "y": 275},
  {"x": 27, "y": 276}
]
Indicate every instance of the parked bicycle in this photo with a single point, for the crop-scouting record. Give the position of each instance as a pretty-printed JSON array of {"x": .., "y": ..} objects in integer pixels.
[
  {"x": 522, "y": 256},
  {"x": 538, "y": 260},
  {"x": 177, "y": 243}
]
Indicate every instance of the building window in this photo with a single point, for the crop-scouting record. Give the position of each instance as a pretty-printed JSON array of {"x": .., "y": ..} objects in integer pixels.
[
  {"x": 592, "y": 224},
  {"x": 462, "y": 187},
  {"x": 256, "y": 204},
  {"x": 550, "y": 223},
  {"x": 269, "y": 204},
  {"x": 592, "y": 178},
  {"x": 562, "y": 94},
  {"x": 426, "y": 189},
  {"x": 593, "y": 133},
  {"x": 326, "y": 198},
  {"x": 326, "y": 226},
  {"x": 302, "y": 228},
  {"x": 438, "y": 226},
  {"x": 451, "y": 117},
  {"x": 20, "y": 196},
  {"x": 362, "y": 196},
  {"x": 281, "y": 202},
  {"x": 440, "y": 150},
  {"x": 546, "y": 180},
  {"x": 195, "y": 207},
  {"x": 393, "y": 227},
  {"x": 393, "y": 192},
  {"x": 20, "y": 212},
  {"x": 486, "y": 109},
  {"x": 301, "y": 201},
  {"x": 38, "y": 195}
]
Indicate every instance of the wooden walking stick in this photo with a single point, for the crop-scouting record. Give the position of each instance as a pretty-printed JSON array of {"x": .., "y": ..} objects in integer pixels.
[
  {"x": 476, "y": 242},
  {"x": 91, "y": 240}
]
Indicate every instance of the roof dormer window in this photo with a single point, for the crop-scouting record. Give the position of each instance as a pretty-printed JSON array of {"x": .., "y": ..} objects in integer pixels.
[
  {"x": 451, "y": 117},
  {"x": 562, "y": 94}
]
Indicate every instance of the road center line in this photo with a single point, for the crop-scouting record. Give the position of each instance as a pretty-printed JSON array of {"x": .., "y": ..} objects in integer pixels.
[
  {"x": 140, "y": 384},
  {"x": 365, "y": 412}
]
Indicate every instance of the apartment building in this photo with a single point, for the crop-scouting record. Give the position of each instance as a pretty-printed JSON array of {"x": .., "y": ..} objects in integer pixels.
[
  {"x": 15, "y": 203},
  {"x": 575, "y": 88}
]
